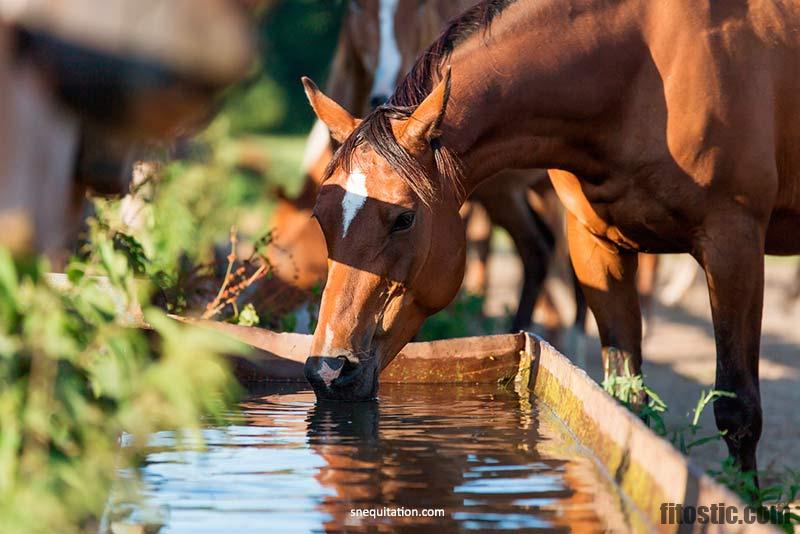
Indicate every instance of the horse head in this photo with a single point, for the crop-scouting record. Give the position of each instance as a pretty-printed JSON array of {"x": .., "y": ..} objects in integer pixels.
[{"x": 395, "y": 240}]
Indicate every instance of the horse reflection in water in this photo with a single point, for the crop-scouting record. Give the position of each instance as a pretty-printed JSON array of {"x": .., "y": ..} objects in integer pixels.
[
  {"x": 491, "y": 459},
  {"x": 474, "y": 452}
]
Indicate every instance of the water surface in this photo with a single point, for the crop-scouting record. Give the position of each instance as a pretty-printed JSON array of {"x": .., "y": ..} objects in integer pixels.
[{"x": 489, "y": 458}]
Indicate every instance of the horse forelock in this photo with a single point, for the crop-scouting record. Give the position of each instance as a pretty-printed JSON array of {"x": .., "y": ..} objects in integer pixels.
[{"x": 376, "y": 132}]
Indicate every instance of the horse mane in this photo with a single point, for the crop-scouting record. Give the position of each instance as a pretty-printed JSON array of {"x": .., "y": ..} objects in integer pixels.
[{"x": 376, "y": 129}]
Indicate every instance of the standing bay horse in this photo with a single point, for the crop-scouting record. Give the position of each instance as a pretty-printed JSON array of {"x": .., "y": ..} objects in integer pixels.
[{"x": 670, "y": 127}]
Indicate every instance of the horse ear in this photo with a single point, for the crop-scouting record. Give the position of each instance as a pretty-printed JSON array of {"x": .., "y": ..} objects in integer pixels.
[
  {"x": 338, "y": 120},
  {"x": 416, "y": 133}
]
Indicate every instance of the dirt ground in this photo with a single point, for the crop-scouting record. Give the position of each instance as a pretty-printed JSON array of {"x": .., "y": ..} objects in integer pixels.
[{"x": 679, "y": 359}]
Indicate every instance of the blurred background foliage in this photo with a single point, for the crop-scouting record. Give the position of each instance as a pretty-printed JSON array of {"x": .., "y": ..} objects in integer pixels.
[
  {"x": 76, "y": 376},
  {"x": 298, "y": 39},
  {"x": 254, "y": 146}
]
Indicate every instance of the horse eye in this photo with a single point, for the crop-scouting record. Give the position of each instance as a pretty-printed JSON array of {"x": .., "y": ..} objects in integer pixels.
[{"x": 403, "y": 222}]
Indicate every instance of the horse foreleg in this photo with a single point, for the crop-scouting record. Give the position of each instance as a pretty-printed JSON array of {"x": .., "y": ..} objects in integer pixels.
[
  {"x": 732, "y": 253},
  {"x": 607, "y": 275}
]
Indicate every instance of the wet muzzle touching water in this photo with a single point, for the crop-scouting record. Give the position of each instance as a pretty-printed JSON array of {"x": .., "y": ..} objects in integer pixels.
[{"x": 341, "y": 378}]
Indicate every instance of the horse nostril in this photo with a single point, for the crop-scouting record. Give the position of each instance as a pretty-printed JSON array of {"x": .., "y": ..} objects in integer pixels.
[
  {"x": 350, "y": 373},
  {"x": 377, "y": 100},
  {"x": 331, "y": 371}
]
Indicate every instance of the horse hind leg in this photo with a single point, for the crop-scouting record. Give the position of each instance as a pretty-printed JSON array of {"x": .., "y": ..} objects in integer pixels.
[
  {"x": 479, "y": 237},
  {"x": 679, "y": 283},
  {"x": 732, "y": 253},
  {"x": 548, "y": 323},
  {"x": 793, "y": 290}
]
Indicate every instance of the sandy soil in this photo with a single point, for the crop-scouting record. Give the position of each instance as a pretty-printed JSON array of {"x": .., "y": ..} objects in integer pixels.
[{"x": 679, "y": 358}]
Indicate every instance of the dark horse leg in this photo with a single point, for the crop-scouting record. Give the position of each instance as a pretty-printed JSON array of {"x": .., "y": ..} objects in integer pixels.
[
  {"x": 607, "y": 275},
  {"x": 509, "y": 209},
  {"x": 731, "y": 250}
]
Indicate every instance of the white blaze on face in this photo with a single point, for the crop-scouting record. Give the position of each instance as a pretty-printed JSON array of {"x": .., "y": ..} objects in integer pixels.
[
  {"x": 354, "y": 198},
  {"x": 389, "y": 58}
]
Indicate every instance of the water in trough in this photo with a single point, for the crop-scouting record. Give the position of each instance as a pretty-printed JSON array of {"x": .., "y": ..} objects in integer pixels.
[{"x": 488, "y": 457}]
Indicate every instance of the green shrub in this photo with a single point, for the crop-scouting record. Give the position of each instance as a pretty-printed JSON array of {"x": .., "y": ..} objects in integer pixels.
[{"x": 74, "y": 377}]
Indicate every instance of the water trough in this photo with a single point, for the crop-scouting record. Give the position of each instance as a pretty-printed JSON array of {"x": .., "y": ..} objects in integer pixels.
[{"x": 646, "y": 469}]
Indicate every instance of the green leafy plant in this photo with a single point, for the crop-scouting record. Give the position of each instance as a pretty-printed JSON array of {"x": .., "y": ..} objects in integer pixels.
[
  {"x": 774, "y": 502},
  {"x": 629, "y": 389},
  {"x": 75, "y": 376},
  {"x": 687, "y": 437},
  {"x": 248, "y": 316}
]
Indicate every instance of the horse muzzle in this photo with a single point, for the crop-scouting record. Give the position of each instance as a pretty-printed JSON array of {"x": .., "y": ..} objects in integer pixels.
[{"x": 342, "y": 379}]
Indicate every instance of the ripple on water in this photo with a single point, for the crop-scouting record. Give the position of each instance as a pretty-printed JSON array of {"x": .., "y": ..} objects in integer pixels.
[{"x": 285, "y": 464}]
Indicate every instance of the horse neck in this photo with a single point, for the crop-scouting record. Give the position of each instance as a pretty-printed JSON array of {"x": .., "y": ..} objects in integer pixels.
[{"x": 527, "y": 93}]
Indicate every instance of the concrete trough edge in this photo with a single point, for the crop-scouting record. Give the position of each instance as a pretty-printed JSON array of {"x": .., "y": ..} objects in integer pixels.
[{"x": 646, "y": 468}]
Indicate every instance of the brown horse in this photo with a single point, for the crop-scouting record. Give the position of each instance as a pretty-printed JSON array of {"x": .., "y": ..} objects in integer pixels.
[
  {"x": 672, "y": 126},
  {"x": 380, "y": 40}
]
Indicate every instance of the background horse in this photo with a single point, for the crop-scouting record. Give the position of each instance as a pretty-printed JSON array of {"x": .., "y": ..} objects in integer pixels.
[
  {"x": 379, "y": 42},
  {"x": 669, "y": 128}
]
